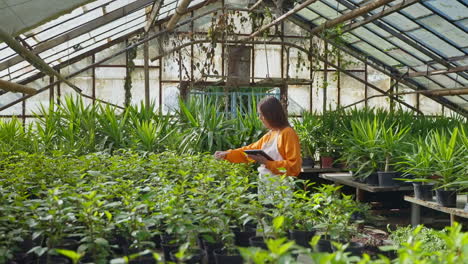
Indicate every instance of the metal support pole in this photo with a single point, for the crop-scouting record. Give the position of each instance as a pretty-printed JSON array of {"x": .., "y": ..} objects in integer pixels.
[
  {"x": 146, "y": 69},
  {"x": 415, "y": 214}
]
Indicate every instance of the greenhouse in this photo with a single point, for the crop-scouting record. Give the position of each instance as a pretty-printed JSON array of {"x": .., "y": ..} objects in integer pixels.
[{"x": 233, "y": 131}]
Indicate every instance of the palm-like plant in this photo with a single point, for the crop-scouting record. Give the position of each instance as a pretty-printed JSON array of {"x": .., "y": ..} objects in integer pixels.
[
  {"x": 390, "y": 142},
  {"x": 419, "y": 161},
  {"x": 112, "y": 127},
  {"x": 448, "y": 156},
  {"x": 203, "y": 127},
  {"x": 361, "y": 147}
]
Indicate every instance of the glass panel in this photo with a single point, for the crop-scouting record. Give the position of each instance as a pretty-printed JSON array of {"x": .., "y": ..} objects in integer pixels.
[
  {"x": 307, "y": 14},
  {"x": 404, "y": 57},
  {"x": 447, "y": 31},
  {"x": 416, "y": 10},
  {"x": 463, "y": 23},
  {"x": 453, "y": 10},
  {"x": 370, "y": 37},
  {"x": 400, "y": 22},
  {"x": 368, "y": 49},
  {"x": 378, "y": 30},
  {"x": 336, "y": 5},
  {"x": 298, "y": 98},
  {"x": 8, "y": 98},
  {"x": 324, "y": 10},
  {"x": 435, "y": 43},
  {"x": 414, "y": 52}
]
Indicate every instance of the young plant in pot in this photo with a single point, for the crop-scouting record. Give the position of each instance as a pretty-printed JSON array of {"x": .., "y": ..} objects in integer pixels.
[
  {"x": 301, "y": 218},
  {"x": 390, "y": 145},
  {"x": 229, "y": 254},
  {"x": 97, "y": 227},
  {"x": 448, "y": 156},
  {"x": 212, "y": 225},
  {"x": 308, "y": 129},
  {"x": 419, "y": 163},
  {"x": 329, "y": 135},
  {"x": 179, "y": 227},
  {"x": 334, "y": 218},
  {"x": 242, "y": 216}
]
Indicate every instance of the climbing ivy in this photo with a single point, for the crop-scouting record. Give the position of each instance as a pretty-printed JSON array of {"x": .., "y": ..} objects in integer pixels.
[{"x": 131, "y": 55}]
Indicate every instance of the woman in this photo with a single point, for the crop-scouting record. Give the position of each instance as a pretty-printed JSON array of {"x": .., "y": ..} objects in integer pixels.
[{"x": 281, "y": 143}]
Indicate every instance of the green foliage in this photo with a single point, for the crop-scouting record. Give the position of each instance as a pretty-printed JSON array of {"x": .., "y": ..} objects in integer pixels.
[{"x": 431, "y": 240}]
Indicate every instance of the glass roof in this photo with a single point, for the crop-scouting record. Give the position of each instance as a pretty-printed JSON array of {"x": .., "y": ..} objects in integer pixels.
[
  {"x": 415, "y": 38},
  {"x": 82, "y": 30},
  {"x": 408, "y": 39}
]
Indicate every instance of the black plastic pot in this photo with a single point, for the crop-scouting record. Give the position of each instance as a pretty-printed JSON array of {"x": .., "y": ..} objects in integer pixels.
[
  {"x": 209, "y": 248},
  {"x": 224, "y": 257},
  {"x": 423, "y": 191},
  {"x": 355, "y": 248},
  {"x": 302, "y": 238},
  {"x": 446, "y": 198},
  {"x": 372, "y": 179},
  {"x": 308, "y": 162},
  {"x": 386, "y": 178},
  {"x": 324, "y": 245},
  {"x": 167, "y": 248},
  {"x": 242, "y": 237},
  {"x": 257, "y": 241},
  {"x": 44, "y": 259},
  {"x": 197, "y": 256},
  {"x": 157, "y": 241}
]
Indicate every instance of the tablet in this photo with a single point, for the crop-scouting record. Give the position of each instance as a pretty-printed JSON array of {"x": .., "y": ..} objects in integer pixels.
[{"x": 258, "y": 152}]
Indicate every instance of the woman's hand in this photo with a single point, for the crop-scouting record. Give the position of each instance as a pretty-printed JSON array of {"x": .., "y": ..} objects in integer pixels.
[
  {"x": 258, "y": 158},
  {"x": 220, "y": 154}
]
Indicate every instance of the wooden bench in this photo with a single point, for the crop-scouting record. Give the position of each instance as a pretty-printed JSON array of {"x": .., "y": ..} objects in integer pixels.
[
  {"x": 347, "y": 179},
  {"x": 452, "y": 211}
]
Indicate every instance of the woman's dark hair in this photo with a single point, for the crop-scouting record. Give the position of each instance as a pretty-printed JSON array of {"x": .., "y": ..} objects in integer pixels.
[{"x": 273, "y": 112}]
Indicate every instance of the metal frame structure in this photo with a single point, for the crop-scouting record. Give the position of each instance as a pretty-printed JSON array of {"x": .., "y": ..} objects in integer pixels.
[{"x": 455, "y": 71}]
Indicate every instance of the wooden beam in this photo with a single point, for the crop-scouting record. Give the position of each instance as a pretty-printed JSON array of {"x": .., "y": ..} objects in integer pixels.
[
  {"x": 180, "y": 10},
  {"x": 384, "y": 12},
  {"x": 281, "y": 18},
  {"x": 16, "y": 88},
  {"x": 438, "y": 92},
  {"x": 34, "y": 59},
  {"x": 154, "y": 13},
  {"x": 255, "y": 5},
  {"x": 350, "y": 15},
  {"x": 80, "y": 30},
  {"x": 436, "y": 72}
]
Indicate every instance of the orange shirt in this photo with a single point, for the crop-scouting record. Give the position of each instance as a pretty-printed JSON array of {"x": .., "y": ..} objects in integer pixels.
[{"x": 288, "y": 146}]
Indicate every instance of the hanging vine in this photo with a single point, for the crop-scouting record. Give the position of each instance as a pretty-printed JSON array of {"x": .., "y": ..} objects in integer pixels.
[{"x": 131, "y": 55}]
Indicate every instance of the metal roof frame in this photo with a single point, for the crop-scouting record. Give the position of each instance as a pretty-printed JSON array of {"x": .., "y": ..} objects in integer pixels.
[{"x": 418, "y": 46}]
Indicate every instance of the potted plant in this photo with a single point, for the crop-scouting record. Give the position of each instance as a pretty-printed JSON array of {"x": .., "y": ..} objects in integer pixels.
[
  {"x": 301, "y": 218},
  {"x": 448, "y": 155},
  {"x": 308, "y": 129},
  {"x": 419, "y": 163},
  {"x": 390, "y": 143},
  {"x": 361, "y": 150},
  {"x": 328, "y": 136}
]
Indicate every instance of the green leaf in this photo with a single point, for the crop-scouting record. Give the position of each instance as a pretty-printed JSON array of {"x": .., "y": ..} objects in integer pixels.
[
  {"x": 123, "y": 260},
  {"x": 101, "y": 241},
  {"x": 74, "y": 256},
  {"x": 278, "y": 222}
]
